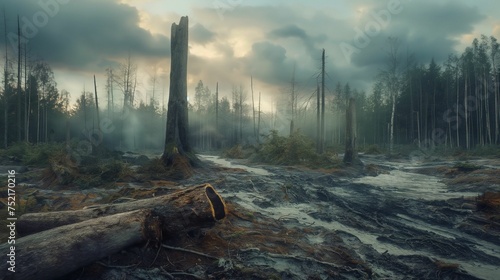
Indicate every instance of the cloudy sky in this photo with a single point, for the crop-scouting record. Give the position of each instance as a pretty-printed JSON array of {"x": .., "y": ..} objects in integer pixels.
[{"x": 231, "y": 40}]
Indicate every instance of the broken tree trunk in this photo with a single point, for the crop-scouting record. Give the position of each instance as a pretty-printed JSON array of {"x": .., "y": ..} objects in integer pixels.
[
  {"x": 177, "y": 145},
  {"x": 185, "y": 210},
  {"x": 351, "y": 155},
  {"x": 59, "y": 251}
]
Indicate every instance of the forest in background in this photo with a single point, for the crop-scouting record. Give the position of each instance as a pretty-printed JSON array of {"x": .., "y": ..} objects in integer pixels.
[{"x": 450, "y": 105}]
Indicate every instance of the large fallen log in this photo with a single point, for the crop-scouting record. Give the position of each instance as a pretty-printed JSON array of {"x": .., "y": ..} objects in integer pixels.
[
  {"x": 61, "y": 242},
  {"x": 191, "y": 208},
  {"x": 56, "y": 252}
]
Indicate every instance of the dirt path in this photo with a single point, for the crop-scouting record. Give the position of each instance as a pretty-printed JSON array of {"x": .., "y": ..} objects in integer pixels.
[{"x": 401, "y": 224}]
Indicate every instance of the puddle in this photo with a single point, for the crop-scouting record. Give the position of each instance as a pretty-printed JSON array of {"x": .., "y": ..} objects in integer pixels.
[
  {"x": 225, "y": 163},
  {"x": 411, "y": 185}
]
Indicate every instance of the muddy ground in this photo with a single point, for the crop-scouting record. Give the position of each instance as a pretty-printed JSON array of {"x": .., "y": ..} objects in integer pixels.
[{"x": 394, "y": 219}]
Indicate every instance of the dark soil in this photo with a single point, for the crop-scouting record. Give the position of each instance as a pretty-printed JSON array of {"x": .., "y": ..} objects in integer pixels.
[{"x": 301, "y": 223}]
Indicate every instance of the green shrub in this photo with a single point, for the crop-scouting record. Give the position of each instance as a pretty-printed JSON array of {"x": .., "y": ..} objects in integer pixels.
[
  {"x": 34, "y": 154},
  {"x": 466, "y": 166},
  {"x": 373, "y": 150},
  {"x": 235, "y": 152},
  {"x": 295, "y": 149},
  {"x": 274, "y": 148}
]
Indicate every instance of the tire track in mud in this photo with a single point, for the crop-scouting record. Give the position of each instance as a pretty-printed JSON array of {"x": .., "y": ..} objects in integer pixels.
[{"x": 401, "y": 232}]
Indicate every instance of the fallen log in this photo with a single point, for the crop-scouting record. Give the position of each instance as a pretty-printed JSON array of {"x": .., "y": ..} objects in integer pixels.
[
  {"x": 194, "y": 207},
  {"x": 56, "y": 252}
]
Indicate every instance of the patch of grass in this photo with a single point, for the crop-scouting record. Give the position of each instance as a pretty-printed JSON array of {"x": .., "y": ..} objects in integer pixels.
[
  {"x": 466, "y": 166},
  {"x": 33, "y": 154},
  {"x": 290, "y": 150},
  {"x": 235, "y": 152},
  {"x": 179, "y": 169},
  {"x": 373, "y": 150},
  {"x": 296, "y": 149},
  {"x": 88, "y": 172},
  {"x": 486, "y": 151}
]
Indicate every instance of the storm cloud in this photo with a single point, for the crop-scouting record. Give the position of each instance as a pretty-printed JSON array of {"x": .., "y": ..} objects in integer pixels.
[
  {"x": 257, "y": 38},
  {"x": 83, "y": 34}
]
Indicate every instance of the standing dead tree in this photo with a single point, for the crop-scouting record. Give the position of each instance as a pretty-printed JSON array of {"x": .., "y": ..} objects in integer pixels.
[
  {"x": 350, "y": 155},
  {"x": 293, "y": 102},
  {"x": 318, "y": 120},
  {"x": 392, "y": 80},
  {"x": 322, "y": 130},
  {"x": 177, "y": 148},
  {"x": 97, "y": 106},
  {"x": 19, "y": 125},
  {"x": 5, "y": 86}
]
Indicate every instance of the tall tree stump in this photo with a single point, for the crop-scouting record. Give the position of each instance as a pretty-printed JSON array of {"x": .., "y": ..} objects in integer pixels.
[
  {"x": 351, "y": 154},
  {"x": 177, "y": 152}
]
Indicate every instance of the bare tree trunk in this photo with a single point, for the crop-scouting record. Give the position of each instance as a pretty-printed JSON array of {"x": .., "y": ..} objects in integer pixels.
[
  {"x": 109, "y": 88},
  {"x": 217, "y": 107},
  {"x": 241, "y": 115},
  {"x": 497, "y": 111},
  {"x": 393, "y": 84},
  {"x": 497, "y": 100},
  {"x": 253, "y": 108},
  {"x": 176, "y": 139},
  {"x": 19, "y": 125},
  {"x": 318, "y": 118},
  {"x": 322, "y": 132},
  {"x": 97, "y": 107},
  {"x": 293, "y": 97},
  {"x": 418, "y": 129},
  {"x": 258, "y": 124},
  {"x": 393, "y": 110},
  {"x": 487, "y": 107},
  {"x": 27, "y": 95},
  {"x": 5, "y": 87},
  {"x": 68, "y": 134},
  {"x": 456, "y": 109},
  {"x": 467, "y": 143},
  {"x": 350, "y": 155}
]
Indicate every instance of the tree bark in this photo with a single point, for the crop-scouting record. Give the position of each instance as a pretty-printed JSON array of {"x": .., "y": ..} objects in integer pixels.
[
  {"x": 194, "y": 207},
  {"x": 217, "y": 145},
  {"x": 97, "y": 107},
  {"x": 177, "y": 140},
  {"x": 258, "y": 124},
  {"x": 59, "y": 251},
  {"x": 322, "y": 132},
  {"x": 5, "y": 87},
  {"x": 293, "y": 107},
  {"x": 19, "y": 125},
  {"x": 351, "y": 155},
  {"x": 253, "y": 109},
  {"x": 318, "y": 118}
]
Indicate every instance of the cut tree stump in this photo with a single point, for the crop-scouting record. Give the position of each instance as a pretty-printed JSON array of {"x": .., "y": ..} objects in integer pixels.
[
  {"x": 185, "y": 210},
  {"x": 56, "y": 252}
]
